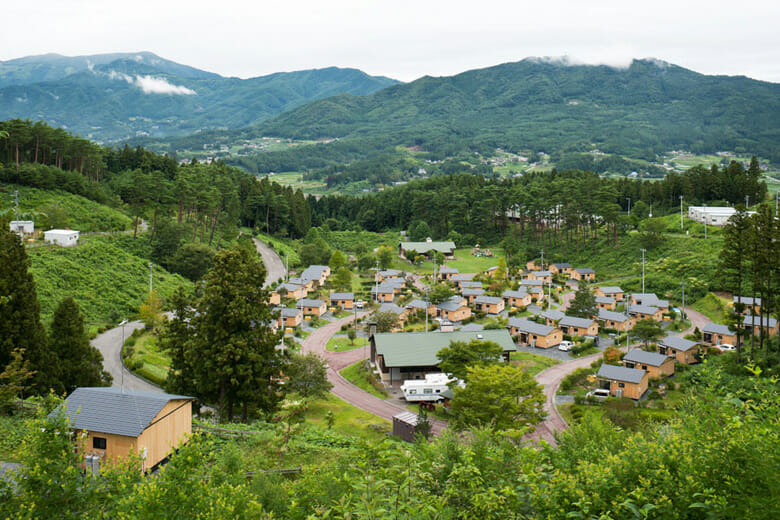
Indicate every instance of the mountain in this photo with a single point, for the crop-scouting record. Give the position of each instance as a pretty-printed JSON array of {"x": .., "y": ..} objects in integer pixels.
[
  {"x": 553, "y": 106},
  {"x": 114, "y": 97}
]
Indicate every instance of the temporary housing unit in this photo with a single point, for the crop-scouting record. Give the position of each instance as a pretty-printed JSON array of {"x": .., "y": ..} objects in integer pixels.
[
  {"x": 530, "y": 333},
  {"x": 61, "y": 237},
  {"x": 22, "y": 227},
  {"x": 117, "y": 422},
  {"x": 682, "y": 350},
  {"x": 622, "y": 381},
  {"x": 716, "y": 334},
  {"x": 657, "y": 365},
  {"x": 429, "y": 389}
]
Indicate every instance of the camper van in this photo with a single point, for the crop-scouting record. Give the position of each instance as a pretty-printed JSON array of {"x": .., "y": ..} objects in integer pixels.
[{"x": 428, "y": 389}]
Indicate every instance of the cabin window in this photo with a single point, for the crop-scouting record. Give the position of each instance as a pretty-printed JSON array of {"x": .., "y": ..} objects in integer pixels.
[
  {"x": 644, "y": 367},
  {"x": 621, "y": 385},
  {"x": 99, "y": 443}
]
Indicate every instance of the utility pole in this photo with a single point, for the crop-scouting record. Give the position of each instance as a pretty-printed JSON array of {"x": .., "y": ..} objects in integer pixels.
[
  {"x": 683, "y": 300},
  {"x": 287, "y": 267},
  {"x": 628, "y": 318},
  {"x": 427, "y": 304},
  {"x": 681, "y": 223},
  {"x": 151, "y": 271},
  {"x": 705, "y": 222},
  {"x": 549, "y": 295},
  {"x": 122, "y": 363},
  {"x": 16, "y": 198},
  {"x": 643, "y": 269},
  {"x": 629, "y": 206},
  {"x": 376, "y": 282},
  {"x": 777, "y": 199},
  {"x": 747, "y": 202},
  {"x": 651, "y": 211},
  {"x": 542, "y": 251}
]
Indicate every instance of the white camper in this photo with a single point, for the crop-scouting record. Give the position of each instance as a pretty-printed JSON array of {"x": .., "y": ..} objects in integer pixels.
[{"x": 428, "y": 389}]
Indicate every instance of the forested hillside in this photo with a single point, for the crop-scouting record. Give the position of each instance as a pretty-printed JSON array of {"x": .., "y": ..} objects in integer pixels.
[{"x": 120, "y": 96}]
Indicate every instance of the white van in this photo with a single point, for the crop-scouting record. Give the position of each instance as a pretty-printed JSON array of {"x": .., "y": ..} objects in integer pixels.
[{"x": 565, "y": 346}]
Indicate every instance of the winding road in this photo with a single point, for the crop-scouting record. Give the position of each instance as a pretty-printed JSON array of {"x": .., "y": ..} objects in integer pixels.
[{"x": 273, "y": 264}]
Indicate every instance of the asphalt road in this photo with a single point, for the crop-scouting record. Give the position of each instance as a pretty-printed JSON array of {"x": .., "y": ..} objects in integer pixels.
[
  {"x": 110, "y": 345},
  {"x": 273, "y": 264}
]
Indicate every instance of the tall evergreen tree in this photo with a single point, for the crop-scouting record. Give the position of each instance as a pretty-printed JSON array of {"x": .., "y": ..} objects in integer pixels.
[
  {"x": 175, "y": 340},
  {"x": 78, "y": 363},
  {"x": 584, "y": 303},
  {"x": 734, "y": 261},
  {"x": 20, "y": 323}
]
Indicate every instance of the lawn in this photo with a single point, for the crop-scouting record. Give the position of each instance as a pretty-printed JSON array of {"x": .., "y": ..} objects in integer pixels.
[
  {"x": 712, "y": 306},
  {"x": 341, "y": 343},
  {"x": 143, "y": 357},
  {"x": 349, "y": 419},
  {"x": 363, "y": 379},
  {"x": 532, "y": 363}
]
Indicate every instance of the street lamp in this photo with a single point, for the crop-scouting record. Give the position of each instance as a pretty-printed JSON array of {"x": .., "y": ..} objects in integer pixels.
[
  {"x": 542, "y": 252},
  {"x": 683, "y": 300},
  {"x": 150, "y": 277},
  {"x": 122, "y": 363},
  {"x": 705, "y": 222},
  {"x": 643, "y": 269},
  {"x": 681, "y": 222},
  {"x": 629, "y": 206}
]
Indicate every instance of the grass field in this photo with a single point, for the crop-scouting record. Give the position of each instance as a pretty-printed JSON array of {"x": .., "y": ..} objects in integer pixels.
[
  {"x": 712, "y": 306},
  {"x": 146, "y": 359},
  {"x": 532, "y": 363},
  {"x": 360, "y": 377},
  {"x": 339, "y": 344},
  {"x": 349, "y": 420}
]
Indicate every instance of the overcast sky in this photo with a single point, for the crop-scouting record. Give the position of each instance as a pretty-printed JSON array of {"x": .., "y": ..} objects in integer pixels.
[{"x": 400, "y": 38}]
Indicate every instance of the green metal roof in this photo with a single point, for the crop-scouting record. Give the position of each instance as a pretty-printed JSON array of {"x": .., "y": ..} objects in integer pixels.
[{"x": 411, "y": 349}]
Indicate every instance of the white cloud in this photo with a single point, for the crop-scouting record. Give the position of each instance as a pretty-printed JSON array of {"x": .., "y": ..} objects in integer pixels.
[{"x": 151, "y": 85}]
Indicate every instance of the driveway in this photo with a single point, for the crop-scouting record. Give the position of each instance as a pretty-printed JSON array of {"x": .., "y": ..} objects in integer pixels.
[
  {"x": 344, "y": 389},
  {"x": 110, "y": 345},
  {"x": 273, "y": 264}
]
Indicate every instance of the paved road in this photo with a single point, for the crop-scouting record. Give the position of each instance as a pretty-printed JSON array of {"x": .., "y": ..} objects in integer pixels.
[
  {"x": 273, "y": 264},
  {"x": 697, "y": 320},
  {"x": 344, "y": 389},
  {"x": 110, "y": 344}
]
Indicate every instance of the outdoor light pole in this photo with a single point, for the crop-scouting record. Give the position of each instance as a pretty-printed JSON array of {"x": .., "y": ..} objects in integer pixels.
[
  {"x": 643, "y": 269},
  {"x": 121, "y": 363},
  {"x": 150, "y": 277},
  {"x": 705, "y": 222},
  {"x": 629, "y": 206},
  {"x": 542, "y": 252},
  {"x": 683, "y": 300},
  {"x": 747, "y": 202},
  {"x": 427, "y": 304},
  {"x": 681, "y": 223},
  {"x": 628, "y": 318}
]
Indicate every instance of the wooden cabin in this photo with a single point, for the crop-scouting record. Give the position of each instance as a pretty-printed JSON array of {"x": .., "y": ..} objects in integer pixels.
[
  {"x": 716, "y": 334},
  {"x": 313, "y": 307},
  {"x": 624, "y": 382},
  {"x": 584, "y": 273},
  {"x": 118, "y": 422},
  {"x": 681, "y": 350},
  {"x": 520, "y": 298},
  {"x": 616, "y": 320},
  {"x": 656, "y": 365},
  {"x": 532, "y": 334},
  {"x": 489, "y": 304},
  {"x": 574, "y": 326},
  {"x": 345, "y": 300},
  {"x": 609, "y": 291}
]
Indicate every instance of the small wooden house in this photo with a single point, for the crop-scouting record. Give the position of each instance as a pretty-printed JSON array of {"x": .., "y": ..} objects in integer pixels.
[
  {"x": 405, "y": 425},
  {"x": 655, "y": 364},
  {"x": 318, "y": 273},
  {"x": 446, "y": 273},
  {"x": 552, "y": 317},
  {"x": 471, "y": 294},
  {"x": 606, "y": 303},
  {"x": 716, "y": 334},
  {"x": 292, "y": 290},
  {"x": 520, "y": 298},
  {"x": 290, "y": 317},
  {"x": 561, "y": 268},
  {"x": 454, "y": 309},
  {"x": 275, "y": 298},
  {"x": 584, "y": 273},
  {"x": 543, "y": 276},
  {"x": 387, "y": 274},
  {"x": 681, "y": 350},
  {"x": 313, "y": 307},
  {"x": 616, "y": 320},
  {"x": 345, "y": 300},
  {"x": 760, "y": 324},
  {"x": 574, "y": 326},
  {"x": 646, "y": 312},
  {"x": 751, "y": 305},
  {"x": 609, "y": 291},
  {"x": 117, "y": 422},
  {"x": 533, "y": 265},
  {"x": 624, "y": 382},
  {"x": 532, "y": 334},
  {"x": 489, "y": 304}
]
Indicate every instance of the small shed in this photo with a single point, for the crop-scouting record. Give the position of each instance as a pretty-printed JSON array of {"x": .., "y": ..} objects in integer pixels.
[
  {"x": 22, "y": 227},
  {"x": 405, "y": 425},
  {"x": 61, "y": 237}
]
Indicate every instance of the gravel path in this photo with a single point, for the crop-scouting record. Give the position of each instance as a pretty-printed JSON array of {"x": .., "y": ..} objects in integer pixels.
[
  {"x": 110, "y": 344},
  {"x": 344, "y": 389},
  {"x": 273, "y": 264}
]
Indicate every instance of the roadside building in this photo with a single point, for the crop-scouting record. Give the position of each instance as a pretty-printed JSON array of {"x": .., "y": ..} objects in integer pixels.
[
  {"x": 623, "y": 382},
  {"x": 574, "y": 326},
  {"x": 345, "y": 300},
  {"x": 532, "y": 334},
  {"x": 61, "y": 237},
  {"x": 714, "y": 334},
  {"x": 681, "y": 350},
  {"x": 656, "y": 365}
]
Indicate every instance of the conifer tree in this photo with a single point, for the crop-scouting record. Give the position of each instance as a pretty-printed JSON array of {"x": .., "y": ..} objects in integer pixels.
[
  {"x": 78, "y": 363},
  {"x": 584, "y": 303},
  {"x": 20, "y": 324}
]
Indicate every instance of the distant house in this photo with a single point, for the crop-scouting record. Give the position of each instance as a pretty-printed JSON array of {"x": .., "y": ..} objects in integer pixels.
[
  {"x": 616, "y": 320},
  {"x": 489, "y": 304},
  {"x": 427, "y": 248},
  {"x": 646, "y": 312},
  {"x": 290, "y": 317},
  {"x": 752, "y": 305},
  {"x": 656, "y": 365},
  {"x": 530, "y": 333},
  {"x": 716, "y": 334},
  {"x": 306, "y": 283},
  {"x": 604, "y": 302},
  {"x": 609, "y": 291},
  {"x": 760, "y": 324},
  {"x": 22, "y": 227},
  {"x": 681, "y": 350},
  {"x": 562, "y": 268},
  {"x": 118, "y": 422},
  {"x": 520, "y": 298},
  {"x": 624, "y": 382},
  {"x": 445, "y": 273},
  {"x": 384, "y": 293},
  {"x": 318, "y": 273},
  {"x": 274, "y": 298},
  {"x": 345, "y": 300},
  {"x": 411, "y": 355},
  {"x": 461, "y": 278},
  {"x": 532, "y": 265},
  {"x": 529, "y": 282},
  {"x": 381, "y": 276},
  {"x": 454, "y": 309},
  {"x": 313, "y": 307},
  {"x": 544, "y": 276},
  {"x": 574, "y": 326},
  {"x": 650, "y": 300},
  {"x": 400, "y": 313},
  {"x": 61, "y": 237},
  {"x": 584, "y": 273},
  {"x": 421, "y": 306},
  {"x": 405, "y": 425},
  {"x": 471, "y": 294},
  {"x": 552, "y": 316},
  {"x": 470, "y": 285},
  {"x": 292, "y": 290},
  {"x": 490, "y": 271}
]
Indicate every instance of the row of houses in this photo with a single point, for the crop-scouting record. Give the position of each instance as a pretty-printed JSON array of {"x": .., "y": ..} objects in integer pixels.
[
  {"x": 564, "y": 269},
  {"x": 298, "y": 288}
]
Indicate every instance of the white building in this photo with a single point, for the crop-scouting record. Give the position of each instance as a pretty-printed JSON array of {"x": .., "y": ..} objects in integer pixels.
[
  {"x": 62, "y": 237},
  {"x": 714, "y": 215},
  {"x": 22, "y": 227}
]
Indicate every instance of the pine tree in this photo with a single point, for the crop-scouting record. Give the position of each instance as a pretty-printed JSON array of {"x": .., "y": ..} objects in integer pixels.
[
  {"x": 78, "y": 363},
  {"x": 20, "y": 324},
  {"x": 734, "y": 261},
  {"x": 584, "y": 303},
  {"x": 175, "y": 340}
]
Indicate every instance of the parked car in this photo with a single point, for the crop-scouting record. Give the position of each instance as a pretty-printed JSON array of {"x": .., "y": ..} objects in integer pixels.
[
  {"x": 360, "y": 304},
  {"x": 598, "y": 394},
  {"x": 565, "y": 346},
  {"x": 726, "y": 347}
]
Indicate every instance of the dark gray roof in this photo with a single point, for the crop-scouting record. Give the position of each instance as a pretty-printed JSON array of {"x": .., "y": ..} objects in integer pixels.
[
  {"x": 649, "y": 299},
  {"x": 573, "y": 321},
  {"x": 638, "y": 355},
  {"x": 604, "y": 299},
  {"x": 342, "y": 296},
  {"x": 113, "y": 410},
  {"x": 610, "y": 289},
  {"x": 642, "y": 309},
  {"x": 314, "y": 272},
  {"x": 449, "y": 305},
  {"x": 563, "y": 266},
  {"x": 471, "y": 285},
  {"x": 629, "y": 375},
  {"x": 448, "y": 270},
  {"x": 531, "y": 282},
  {"x": 290, "y": 287},
  {"x": 305, "y": 302},
  {"x": 552, "y": 314},
  {"x": 298, "y": 281},
  {"x": 389, "y": 273},
  {"x": 492, "y": 300},
  {"x": 463, "y": 277},
  {"x": 761, "y": 321},
  {"x": 417, "y": 304},
  {"x": 678, "y": 343},
  {"x": 390, "y": 307},
  {"x": 472, "y": 291},
  {"x": 585, "y": 270},
  {"x": 515, "y": 294},
  {"x": 717, "y": 328},
  {"x": 541, "y": 274},
  {"x": 747, "y": 300},
  {"x": 612, "y": 316},
  {"x": 289, "y": 313},
  {"x": 530, "y": 326},
  {"x": 472, "y": 327}
]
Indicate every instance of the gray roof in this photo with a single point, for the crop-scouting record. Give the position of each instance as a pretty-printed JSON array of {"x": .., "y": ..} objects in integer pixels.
[
  {"x": 638, "y": 355},
  {"x": 290, "y": 287},
  {"x": 446, "y": 247},
  {"x": 541, "y": 274},
  {"x": 407, "y": 418},
  {"x": 417, "y": 304},
  {"x": 585, "y": 270},
  {"x": 389, "y": 272},
  {"x": 759, "y": 321},
  {"x": 113, "y": 410},
  {"x": 448, "y": 270},
  {"x": 552, "y": 314},
  {"x": 537, "y": 283},
  {"x": 314, "y": 272},
  {"x": 383, "y": 288},
  {"x": 649, "y": 299},
  {"x": 610, "y": 289},
  {"x": 471, "y": 285},
  {"x": 515, "y": 294},
  {"x": 717, "y": 328},
  {"x": 574, "y": 321},
  {"x": 629, "y": 375},
  {"x": 492, "y": 300},
  {"x": 310, "y": 303},
  {"x": 642, "y": 309},
  {"x": 390, "y": 307},
  {"x": 678, "y": 343},
  {"x": 463, "y": 277},
  {"x": 563, "y": 266},
  {"x": 612, "y": 316},
  {"x": 289, "y": 313},
  {"x": 449, "y": 305},
  {"x": 472, "y": 327},
  {"x": 342, "y": 296},
  {"x": 747, "y": 300},
  {"x": 298, "y": 280},
  {"x": 472, "y": 291},
  {"x": 604, "y": 299},
  {"x": 530, "y": 326},
  {"x": 405, "y": 349}
]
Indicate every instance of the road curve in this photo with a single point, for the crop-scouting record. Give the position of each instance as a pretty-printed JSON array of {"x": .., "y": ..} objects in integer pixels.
[
  {"x": 342, "y": 388},
  {"x": 273, "y": 264},
  {"x": 109, "y": 344}
]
